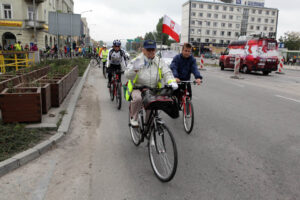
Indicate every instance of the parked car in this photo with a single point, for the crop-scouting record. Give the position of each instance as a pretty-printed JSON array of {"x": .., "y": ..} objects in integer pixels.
[{"x": 257, "y": 54}]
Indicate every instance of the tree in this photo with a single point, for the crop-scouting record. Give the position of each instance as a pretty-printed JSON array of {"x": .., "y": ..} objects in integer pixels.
[
  {"x": 149, "y": 36},
  {"x": 291, "y": 40}
]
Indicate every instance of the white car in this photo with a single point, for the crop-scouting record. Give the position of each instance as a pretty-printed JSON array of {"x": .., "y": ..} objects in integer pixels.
[{"x": 167, "y": 56}]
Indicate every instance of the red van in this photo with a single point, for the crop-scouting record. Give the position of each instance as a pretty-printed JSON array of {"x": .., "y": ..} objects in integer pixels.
[{"x": 257, "y": 54}]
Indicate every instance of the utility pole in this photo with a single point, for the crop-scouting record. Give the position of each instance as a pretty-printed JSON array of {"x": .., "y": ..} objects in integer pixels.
[
  {"x": 34, "y": 22},
  {"x": 190, "y": 8}
]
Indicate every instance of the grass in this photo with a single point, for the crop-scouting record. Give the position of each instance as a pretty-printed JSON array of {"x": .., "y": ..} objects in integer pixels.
[
  {"x": 15, "y": 138},
  {"x": 62, "y": 113}
]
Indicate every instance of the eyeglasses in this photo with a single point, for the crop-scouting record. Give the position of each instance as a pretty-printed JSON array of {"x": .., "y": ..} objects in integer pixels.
[
  {"x": 116, "y": 46},
  {"x": 150, "y": 50}
]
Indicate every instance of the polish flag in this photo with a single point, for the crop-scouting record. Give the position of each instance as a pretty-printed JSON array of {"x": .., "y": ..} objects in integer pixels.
[{"x": 171, "y": 28}]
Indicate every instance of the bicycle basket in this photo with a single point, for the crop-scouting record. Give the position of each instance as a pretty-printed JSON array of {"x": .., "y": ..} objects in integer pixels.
[{"x": 153, "y": 101}]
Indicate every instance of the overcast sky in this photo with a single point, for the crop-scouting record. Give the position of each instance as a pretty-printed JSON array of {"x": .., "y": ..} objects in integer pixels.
[{"x": 125, "y": 19}]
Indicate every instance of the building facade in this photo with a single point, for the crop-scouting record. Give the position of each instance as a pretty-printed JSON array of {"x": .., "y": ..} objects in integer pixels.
[
  {"x": 218, "y": 23},
  {"x": 17, "y": 21}
]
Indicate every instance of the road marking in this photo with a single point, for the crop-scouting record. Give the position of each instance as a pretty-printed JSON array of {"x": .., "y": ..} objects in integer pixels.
[{"x": 298, "y": 101}]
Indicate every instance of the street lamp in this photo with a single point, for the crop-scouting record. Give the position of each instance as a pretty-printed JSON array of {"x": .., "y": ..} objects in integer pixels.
[{"x": 86, "y": 11}]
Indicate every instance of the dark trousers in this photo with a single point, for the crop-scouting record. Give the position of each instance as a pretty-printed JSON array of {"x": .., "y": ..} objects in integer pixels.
[{"x": 111, "y": 69}]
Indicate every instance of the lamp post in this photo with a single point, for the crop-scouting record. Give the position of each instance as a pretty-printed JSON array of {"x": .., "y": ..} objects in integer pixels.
[
  {"x": 34, "y": 22},
  {"x": 190, "y": 8}
]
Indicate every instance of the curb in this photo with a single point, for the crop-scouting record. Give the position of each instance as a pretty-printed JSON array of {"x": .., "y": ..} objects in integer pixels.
[{"x": 22, "y": 158}]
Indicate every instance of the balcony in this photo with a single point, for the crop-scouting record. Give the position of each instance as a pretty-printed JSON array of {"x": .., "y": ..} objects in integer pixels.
[
  {"x": 30, "y": 24},
  {"x": 36, "y": 1}
]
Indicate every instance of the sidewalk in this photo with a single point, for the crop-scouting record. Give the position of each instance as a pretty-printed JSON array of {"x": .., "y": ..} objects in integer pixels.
[
  {"x": 49, "y": 121},
  {"x": 291, "y": 67}
]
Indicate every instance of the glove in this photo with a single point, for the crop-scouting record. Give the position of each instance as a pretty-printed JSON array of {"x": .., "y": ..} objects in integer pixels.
[{"x": 174, "y": 85}]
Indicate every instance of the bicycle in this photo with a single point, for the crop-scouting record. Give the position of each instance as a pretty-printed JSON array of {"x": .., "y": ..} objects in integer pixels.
[
  {"x": 161, "y": 143},
  {"x": 115, "y": 89},
  {"x": 186, "y": 106}
]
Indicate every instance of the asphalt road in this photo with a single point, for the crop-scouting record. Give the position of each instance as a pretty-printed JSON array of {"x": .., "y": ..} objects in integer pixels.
[{"x": 245, "y": 145}]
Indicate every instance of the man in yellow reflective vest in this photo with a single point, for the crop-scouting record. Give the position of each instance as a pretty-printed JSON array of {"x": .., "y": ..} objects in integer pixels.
[
  {"x": 103, "y": 56},
  {"x": 147, "y": 70},
  {"x": 18, "y": 46}
]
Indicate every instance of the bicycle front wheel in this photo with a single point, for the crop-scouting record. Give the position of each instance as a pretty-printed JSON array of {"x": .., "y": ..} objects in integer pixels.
[
  {"x": 135, "y": 132},
  {"x": 111, "y": 91},
  {"x": 119, "y": 95},
  {"x": 188, "y": 116},
  {"x": 163, "y": 153}
]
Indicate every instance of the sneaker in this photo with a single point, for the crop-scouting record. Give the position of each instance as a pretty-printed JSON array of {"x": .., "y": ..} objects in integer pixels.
[
  {"x": 134, "y": 122},
  {"x": 108, "y": 85}
]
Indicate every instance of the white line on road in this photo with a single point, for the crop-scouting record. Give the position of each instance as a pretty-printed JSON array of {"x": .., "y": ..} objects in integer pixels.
[{"x": 298, "y": 101}]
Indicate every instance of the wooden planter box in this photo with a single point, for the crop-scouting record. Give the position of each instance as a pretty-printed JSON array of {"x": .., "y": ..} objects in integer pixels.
[
  {"x": 45, "y": 92},
  {"x": 56, "y": 88},
  {"x": 21, "y": 105}
]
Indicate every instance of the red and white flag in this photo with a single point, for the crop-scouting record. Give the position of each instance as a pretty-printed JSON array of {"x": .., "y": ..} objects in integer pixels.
[{"x": 171, "y": 28}]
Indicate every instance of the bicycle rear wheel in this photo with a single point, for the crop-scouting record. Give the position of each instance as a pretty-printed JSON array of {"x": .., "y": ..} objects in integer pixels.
[
  {"x": 135, "y": 132},
  {"x": 188, "y": 116},
  {"x": 163, "y": 153},
  {"x": 119, "y": 95}
]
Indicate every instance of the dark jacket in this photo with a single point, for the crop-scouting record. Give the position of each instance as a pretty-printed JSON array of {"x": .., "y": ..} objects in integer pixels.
[{"x": 183, "y": 67}]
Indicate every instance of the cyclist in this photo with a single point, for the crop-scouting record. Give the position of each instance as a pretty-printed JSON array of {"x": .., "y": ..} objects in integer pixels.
[
  {"x": 103, "y": 55},
  {"x": 147, "y": 70},
  {"x": 182, "y": 66},
  {"x": 117, "y": 58}
]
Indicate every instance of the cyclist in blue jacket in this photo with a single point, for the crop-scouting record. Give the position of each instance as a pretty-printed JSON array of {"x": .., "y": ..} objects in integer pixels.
[{"x": 182, "y": 66}]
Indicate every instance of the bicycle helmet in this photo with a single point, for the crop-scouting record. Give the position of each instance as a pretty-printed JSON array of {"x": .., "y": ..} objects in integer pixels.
[{"x": 117, "y": 43}]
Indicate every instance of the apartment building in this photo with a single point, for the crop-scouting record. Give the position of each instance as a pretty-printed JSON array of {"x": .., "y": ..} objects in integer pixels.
[
  {"x": 17, "y": 21},
  {"x": 218, "y": 23}
]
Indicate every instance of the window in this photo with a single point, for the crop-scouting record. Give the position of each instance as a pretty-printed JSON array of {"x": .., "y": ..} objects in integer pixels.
[
  {"x": 223, "y": 16},
  {"x": 193, "y": 14},
  {"x": 209, "y": 15},
  {"x": 272, "y": 21},
  {"x": 266, "y": 20},
  {"x": 192, "y": 39},
  {"x": 252, "y": 19},
  {"x": 228, "y": 33},
  {"x": 228, "y": 41},
  {"x": 221, "y": 41},
  {"x": 192, "y": 31},
  {"x": 209, "y": 7},
  {"x": 224, "y": 8},
  {"x": 207, "y": 32},
  {"x": 198, "y": 40},
  {"x": 253, "y": 11},
  {"x": 45, "y": 15},
  {"x": 199, "y": 31},
  {"x": 214, "y": 32},
  {"x": 238, "y": 9},
  {"x": 193, "y": 22},
  {"x": 213, "y": 40},
  {"x": 267, "y": 12},
  {"x": 265, "y": 28},
  {"x": 193, "y": 5},
  {"x": 258, "y": 19},
  {"x": 223, "y": 24},
  {"x": 273, "y": 13},
  {"x": 231, "y": 17},
  {"x": 7, "y": 11},
  {"x": 207, "y": 40},
  {"x": 237, "y": 25},
  {"x": 215, "y": 24},
  {"x": 231, "y": 9},
  {"x": 222, "y": 33},
  {"x": 216, "y": 7},
  {"x": 251, "y": 27},
  {"x": 257, "y": 28},
  {"x": 207, "y": 23},
  {"x": 271, "y": 28},
  {"x": 200, "y": 5},
  {"x": 229, "y": 25},
  {"x": 260, "y": 12},
  {"x": 238, "y": 17},
  {"x": 216, "y": 16},
  {"x": 237, "y": 34},
  {"x": 199, "y": 23},
  {"x": 200, "y": 14},
  {"x": 30, "y": 13}
]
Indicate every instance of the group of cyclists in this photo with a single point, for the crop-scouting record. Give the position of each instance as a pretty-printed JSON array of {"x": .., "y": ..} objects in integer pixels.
[{"x": 147, "y": 73}]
